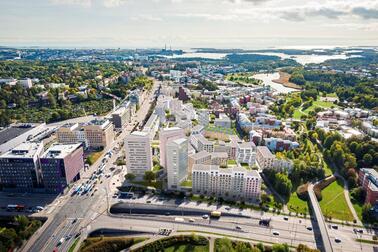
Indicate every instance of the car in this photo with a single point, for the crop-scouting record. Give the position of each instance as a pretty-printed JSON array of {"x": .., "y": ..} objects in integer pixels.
[
  {"x": 286, "y": 218},
  {"x": 74, "y": 221},
  {"x": 238, "y": 227},
  {"x": 191, "y": 220},
  {"x": 335, "y": 227},
  {"x": 39, "y": 208},
  {"x": 60, "y": 242},
  {"x": 309, "y": 228},
  {"x": 227, "y": 208},
  {"x": 77, "y": 235},
  {"x": 360, "y": 231},
  {"x": 68, "y": 237},
  {"x": 337, "y": 240},
  {"x": 205, "y": 216},
  {"x": 167, "y": 213},
  {"x": 148, "y": 201},
  {"x": 276, "y": 233}
]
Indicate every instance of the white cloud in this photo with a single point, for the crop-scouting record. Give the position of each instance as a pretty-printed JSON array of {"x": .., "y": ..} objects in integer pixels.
[
  {"x": 114, "y": 3},
  {"x": 84, "y": 3}
]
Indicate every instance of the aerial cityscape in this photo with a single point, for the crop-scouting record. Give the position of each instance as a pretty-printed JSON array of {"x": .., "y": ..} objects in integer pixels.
[{"x": 178, "y": 126}]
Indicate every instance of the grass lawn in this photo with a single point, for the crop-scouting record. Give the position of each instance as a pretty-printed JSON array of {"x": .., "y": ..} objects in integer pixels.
[
  {"x": 186, "y": 183},
  {"x": 321, "y": 104},
  {"x": 157, "y": 183},
  {"x": 73, "y": 246},
  {"x": 334, "y": 204},
  {"x": 295, "y": 204},
  {"x": 188, "y": 247},
  {"x": 92, "y": 158},
  {"x": 231, "y": 162}
]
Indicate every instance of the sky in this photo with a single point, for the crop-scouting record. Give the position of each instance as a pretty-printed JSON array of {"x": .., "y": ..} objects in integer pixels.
[{"x": 188, "y": 23}]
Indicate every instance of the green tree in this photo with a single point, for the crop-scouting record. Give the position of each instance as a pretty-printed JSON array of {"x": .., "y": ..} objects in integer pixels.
[
  {"x": 130, "y": 176},
  {"x": 280, "y": 248},
  {"x": 149, "y": 176}
]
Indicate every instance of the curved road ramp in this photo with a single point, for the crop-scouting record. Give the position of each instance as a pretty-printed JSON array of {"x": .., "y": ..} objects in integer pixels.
[{"x": 148, "y": 209}]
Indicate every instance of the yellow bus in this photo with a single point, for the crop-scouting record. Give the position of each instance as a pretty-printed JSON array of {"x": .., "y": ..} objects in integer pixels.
[{"x": 215, "y": 214}]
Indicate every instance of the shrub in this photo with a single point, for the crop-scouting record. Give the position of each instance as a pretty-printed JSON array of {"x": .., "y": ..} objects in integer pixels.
[{"x": 302, "y": 191}]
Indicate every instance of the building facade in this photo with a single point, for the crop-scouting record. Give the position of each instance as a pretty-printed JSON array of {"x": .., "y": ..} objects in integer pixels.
[
  {"x": 177, "y": 162},
  {"x": 264, "y": 157},
  {"x": 138, "y": 153},
  {"x": 61, "y": 165},
  {"x": 231, "y": 183},
  {"x": 166, "y": 135},
  {"x": 99, "y": 133}
]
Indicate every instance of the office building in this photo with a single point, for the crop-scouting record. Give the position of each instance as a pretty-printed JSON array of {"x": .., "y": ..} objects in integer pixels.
[
  {"x": 61, "y": 165},
  {"x": 120, "y": 118},
  {"x": 177, "y": 162},
  {"x": 99, "y": 133},
  {"x": 232, "y": 183},
  {"x": 19, "y": 168},
  {"x": 138, "y": 153}
]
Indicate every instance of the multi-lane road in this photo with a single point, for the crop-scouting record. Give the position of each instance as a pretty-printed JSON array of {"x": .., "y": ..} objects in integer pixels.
[{"x": 83, "y": 208}]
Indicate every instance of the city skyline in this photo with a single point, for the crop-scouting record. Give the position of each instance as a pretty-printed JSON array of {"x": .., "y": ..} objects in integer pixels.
[{"x": 186, "y": 24}]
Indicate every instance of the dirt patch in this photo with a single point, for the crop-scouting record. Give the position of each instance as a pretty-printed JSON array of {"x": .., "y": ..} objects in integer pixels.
[{"x": 284, "y": 80}]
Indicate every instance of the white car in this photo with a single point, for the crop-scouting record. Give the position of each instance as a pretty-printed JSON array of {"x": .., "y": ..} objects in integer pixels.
[
  {"x": 191, "y": 220},
  {"x": 205, "y": 216}
]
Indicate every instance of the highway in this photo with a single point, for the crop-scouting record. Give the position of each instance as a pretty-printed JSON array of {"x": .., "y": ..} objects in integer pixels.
[{"x": 84, "y": 208}]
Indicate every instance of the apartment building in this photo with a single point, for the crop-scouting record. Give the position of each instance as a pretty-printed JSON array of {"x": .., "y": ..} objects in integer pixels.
[
  {"x": 202, "y": 157},
  {"x": 247, "y": 153},
  {"x": 200, "y": 143},
  {"x": 152, "y": 125},
  {"x": 368, "y": 179},
  {"x": 223, "y": 121},
  {"x": 203, "y": 117},
  {"x": 99, "y": 133},
  {"x": 138, "y": 153},
  {"x": 177, "y": 162},
  {"x": 61, "y": 165},
  {"x": 264, "y": 157},
  {"x": 231, "y": 183},
  {"x": 20, "y": 168},
  {"x": 165, "y": 135}
]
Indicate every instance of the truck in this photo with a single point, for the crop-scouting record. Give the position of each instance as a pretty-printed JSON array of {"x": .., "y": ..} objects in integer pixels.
[{"x": 17, "y": 208}]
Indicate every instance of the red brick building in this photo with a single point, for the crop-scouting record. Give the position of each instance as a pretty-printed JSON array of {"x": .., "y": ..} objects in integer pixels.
[{"x": 368, "y": 179}]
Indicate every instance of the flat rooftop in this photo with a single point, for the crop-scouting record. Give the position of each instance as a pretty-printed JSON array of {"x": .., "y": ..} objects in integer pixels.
[
  {"x": 24, "y": 150},
  {"x": 60, "y": 150},
  {"x": 14, "y": 131}
]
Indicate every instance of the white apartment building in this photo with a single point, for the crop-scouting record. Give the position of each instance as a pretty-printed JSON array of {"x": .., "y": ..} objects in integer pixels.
[
  {"x": 165, "y": 135},
  {"x": 200, "y": 143},
  {"x": 223, "y": 121},
  {"x": 202, "y": 157},
  {"x": 203, "y": 117},
  {"x": 264, "y": 157},
  {"x": 232, "y": 183},
  {"x": 177, "y": 162},
  {"x": 138, "y": 153},
  {"x": 26, "y": 83},
  {"x": 152, "y": 125},
  {"x": 247, "y": 153}
]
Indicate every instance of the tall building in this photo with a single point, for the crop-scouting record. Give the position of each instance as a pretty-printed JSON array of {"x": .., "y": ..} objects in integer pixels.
[
  {"x": 99, "y": 133},
  {"x": 20, "y": 168},
  {"x": 177, "y": 162},
  {"x": 232, "y": 183},
  {"x": 165, "y": 135},
  {"x": 61, "y": 165},
  {"x": 120, "y": 117},
  {"x": 138, "y": 153},
  {"x": 203, "y": 117},
  {"x": 152, "y": 125}
]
